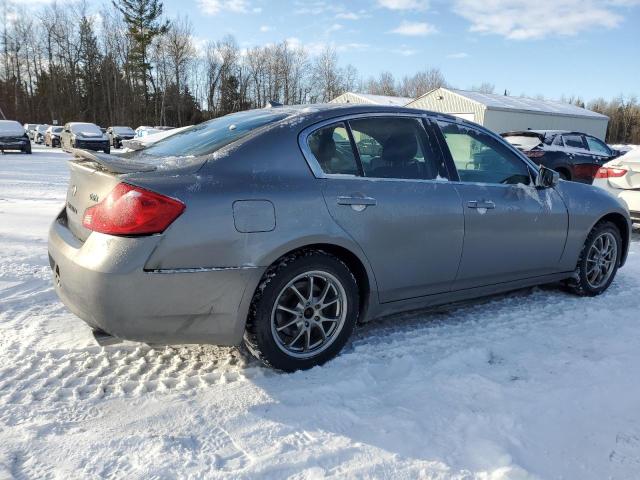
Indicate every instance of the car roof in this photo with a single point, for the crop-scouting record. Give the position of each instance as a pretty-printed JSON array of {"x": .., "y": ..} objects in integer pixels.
[{"x": 318, "y": 112}]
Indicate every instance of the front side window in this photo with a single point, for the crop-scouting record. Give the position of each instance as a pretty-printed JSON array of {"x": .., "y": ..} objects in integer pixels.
[
  {"x": 573, "y": 141},
  {"x": 597, "y": 147},
  {"x": 480, "y": 158},
  {"x": 395, "y": 147}
]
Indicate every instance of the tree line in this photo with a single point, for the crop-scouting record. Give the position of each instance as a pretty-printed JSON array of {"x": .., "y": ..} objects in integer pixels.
[{"x": 128, "y": 65}]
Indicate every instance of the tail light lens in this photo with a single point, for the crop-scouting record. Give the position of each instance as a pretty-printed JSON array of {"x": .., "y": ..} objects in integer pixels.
[
  {"x": 610, "y": 172},
  {"x": 534, "y": 153},
  {"x": 130, "y": 210}
]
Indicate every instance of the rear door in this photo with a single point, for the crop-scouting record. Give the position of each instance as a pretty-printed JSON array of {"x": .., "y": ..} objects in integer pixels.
[
  {"x": 512, "y": 230},
  {"x": 584, "y": 165},
  {"x": 387, "y": 187}
]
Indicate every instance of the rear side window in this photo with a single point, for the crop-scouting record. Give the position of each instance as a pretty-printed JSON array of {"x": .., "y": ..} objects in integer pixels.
[
  {"x": 480, "y": 158},
  {"x": 332, "y": 148},
  {"x": 573, "y": 141},
  {"x": 394, "y": 147}
]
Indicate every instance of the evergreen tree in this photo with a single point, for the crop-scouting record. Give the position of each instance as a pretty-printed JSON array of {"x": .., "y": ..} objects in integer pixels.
[{"x": 143, "y": 19}]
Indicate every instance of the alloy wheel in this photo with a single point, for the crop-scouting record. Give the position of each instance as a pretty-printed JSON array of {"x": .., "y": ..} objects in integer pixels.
[
  {"x": 308, "y": 314},
  {"x": 601, "y": 259}
]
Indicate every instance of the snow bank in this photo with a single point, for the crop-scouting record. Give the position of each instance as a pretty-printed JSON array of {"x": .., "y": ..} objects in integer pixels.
[{"x": 535, "y": 384}]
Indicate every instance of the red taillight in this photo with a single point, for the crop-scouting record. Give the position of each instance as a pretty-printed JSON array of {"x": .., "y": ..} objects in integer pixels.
[
  {"x": 534, "y": 153},
  {"x": 130, "y": 210},
  {"x": 610, "y": 172}
]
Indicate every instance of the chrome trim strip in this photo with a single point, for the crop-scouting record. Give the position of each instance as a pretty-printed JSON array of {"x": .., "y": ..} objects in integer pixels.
[{"x": 199, "y": 270}]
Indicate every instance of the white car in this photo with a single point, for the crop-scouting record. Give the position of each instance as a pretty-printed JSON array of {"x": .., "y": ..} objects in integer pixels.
[{"x": 621, "y": 178}]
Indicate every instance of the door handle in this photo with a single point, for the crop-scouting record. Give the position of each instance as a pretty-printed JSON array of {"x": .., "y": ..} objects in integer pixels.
[
  {"x": 484, "y": 204},
  {"x": 357, "y": 201}
]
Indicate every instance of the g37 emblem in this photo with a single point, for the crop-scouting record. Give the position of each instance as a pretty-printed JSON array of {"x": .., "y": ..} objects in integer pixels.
[
  {"x": 94, "y": 197},
  {"x": 74, "y": 190}
]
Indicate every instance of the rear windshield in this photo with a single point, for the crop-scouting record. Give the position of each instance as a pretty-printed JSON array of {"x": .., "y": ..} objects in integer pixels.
[
  {"x": 89, "y": 128},
  {"x": 56, "y": 129},
  {"x": 42, "y": 128},
  {"x": 11, "y": 127},
  {"x": 523, "y": 141},
  {"x": 205, "y": 138},
  {"x": 124, "y": 130}
]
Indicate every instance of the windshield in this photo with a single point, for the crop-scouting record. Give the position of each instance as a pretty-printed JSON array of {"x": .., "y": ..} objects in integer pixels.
[
  {"x": 56, "y": 129},
  {"x": 124, "y": 130},
  {"x": 523, "y": 141},
  {"x": 42, "y": 128},
  {"x": 11, "y": 127},
  {"x": 86, "y": 129},
  {"x": 207, "y": 137}
]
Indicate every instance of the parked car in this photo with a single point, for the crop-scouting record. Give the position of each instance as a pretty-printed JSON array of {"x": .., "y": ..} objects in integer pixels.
[
  {"x": 13, "y": 137},
  {"x": 274, "y": 227},
  {"x": 85, "y": 136},
  {"x": 52, "y": 136},
  {"x": 138, "y": 143},
  {"x": 39, "y": 133},
  {"x": 575, "y": 156},
  {"x": 30, "y": 129},
  {"x": 621, "y": 178},
  {"x": 118, "y": 134}
]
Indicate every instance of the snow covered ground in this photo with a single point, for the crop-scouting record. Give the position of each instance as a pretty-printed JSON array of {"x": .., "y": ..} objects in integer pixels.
[{"x": 535, "y": 384}]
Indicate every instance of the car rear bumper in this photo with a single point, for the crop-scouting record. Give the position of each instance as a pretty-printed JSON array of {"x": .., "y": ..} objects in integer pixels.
[{"x": 103, "y": 282}]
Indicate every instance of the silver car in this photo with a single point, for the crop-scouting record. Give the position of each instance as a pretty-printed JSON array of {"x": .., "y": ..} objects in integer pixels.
[{"x": 286, "y": 226}]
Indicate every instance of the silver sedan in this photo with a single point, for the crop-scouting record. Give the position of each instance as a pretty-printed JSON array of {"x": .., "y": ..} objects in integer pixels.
[{"x": 285, "y": 227}]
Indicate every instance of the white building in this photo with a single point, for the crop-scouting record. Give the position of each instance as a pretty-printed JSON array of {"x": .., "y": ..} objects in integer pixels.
[
  {"x": 502, "y": 113},
  {"x": 350, "y": 97}
]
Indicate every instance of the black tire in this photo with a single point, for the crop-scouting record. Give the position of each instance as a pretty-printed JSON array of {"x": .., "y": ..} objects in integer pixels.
[
  {"x": 259, "y": 334},
  {"x": 27, "y": 149},
  {"x": 107, "y": 150},
  {"x": 580, "y": 283}
]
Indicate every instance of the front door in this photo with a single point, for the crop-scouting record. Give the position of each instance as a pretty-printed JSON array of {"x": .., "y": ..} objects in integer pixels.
[
  {"x": 394, "y": 201},
  {"x": 512, "y": 229}
]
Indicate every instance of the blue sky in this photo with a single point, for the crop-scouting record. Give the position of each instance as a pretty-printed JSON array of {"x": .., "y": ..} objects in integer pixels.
[{"x": 589, "y": 48}]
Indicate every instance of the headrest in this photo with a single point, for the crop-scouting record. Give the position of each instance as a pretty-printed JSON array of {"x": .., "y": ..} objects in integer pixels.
[{"x": 400, "y": 148}]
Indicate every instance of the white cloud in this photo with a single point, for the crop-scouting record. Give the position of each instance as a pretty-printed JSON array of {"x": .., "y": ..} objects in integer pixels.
[
  {"x": 348, "y": 16},
  {"x": 414, "y": 29},
  {"x": 404, "y": 4},
  {"x": 266, "y": 28},
  {"x": 458, "y": 55},
  {"x": 404, "y": 51},
  {"x": 213, "y": 7},
  {"x": 524, "y": 19},
  {"x": 334, "y": 28}
]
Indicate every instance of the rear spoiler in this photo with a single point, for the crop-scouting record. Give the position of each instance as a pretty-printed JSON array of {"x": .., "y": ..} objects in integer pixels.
[{"x": 110, "y": 163}]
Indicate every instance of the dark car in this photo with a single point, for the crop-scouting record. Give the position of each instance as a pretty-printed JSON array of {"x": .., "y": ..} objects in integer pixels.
[
  {"x": 286, "y": 226},
  {"x": 13, "y": 136},
  {"x": 575, "y": 156},
  {"x": 118, "y": 134},
  {"x": 52, "y": 136},
  {"x": 87, "y": 136}
]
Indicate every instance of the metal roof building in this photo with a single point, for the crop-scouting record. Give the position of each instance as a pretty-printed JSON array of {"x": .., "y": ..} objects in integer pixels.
[
  {"x": 350, "y": 97},
  {"x": 502, "y": 113}
]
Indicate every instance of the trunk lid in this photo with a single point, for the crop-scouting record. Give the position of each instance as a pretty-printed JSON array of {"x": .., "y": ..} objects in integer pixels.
[{"x": 92, "y": 177}]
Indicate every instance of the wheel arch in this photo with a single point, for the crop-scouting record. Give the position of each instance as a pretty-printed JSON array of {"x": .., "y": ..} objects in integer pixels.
[
  {"x": 622, "y": 223},
  {"x": 358, "y": 265}
]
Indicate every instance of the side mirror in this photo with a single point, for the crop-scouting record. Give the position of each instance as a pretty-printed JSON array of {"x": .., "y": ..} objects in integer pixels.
[{"x": 547, "y": 178}]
